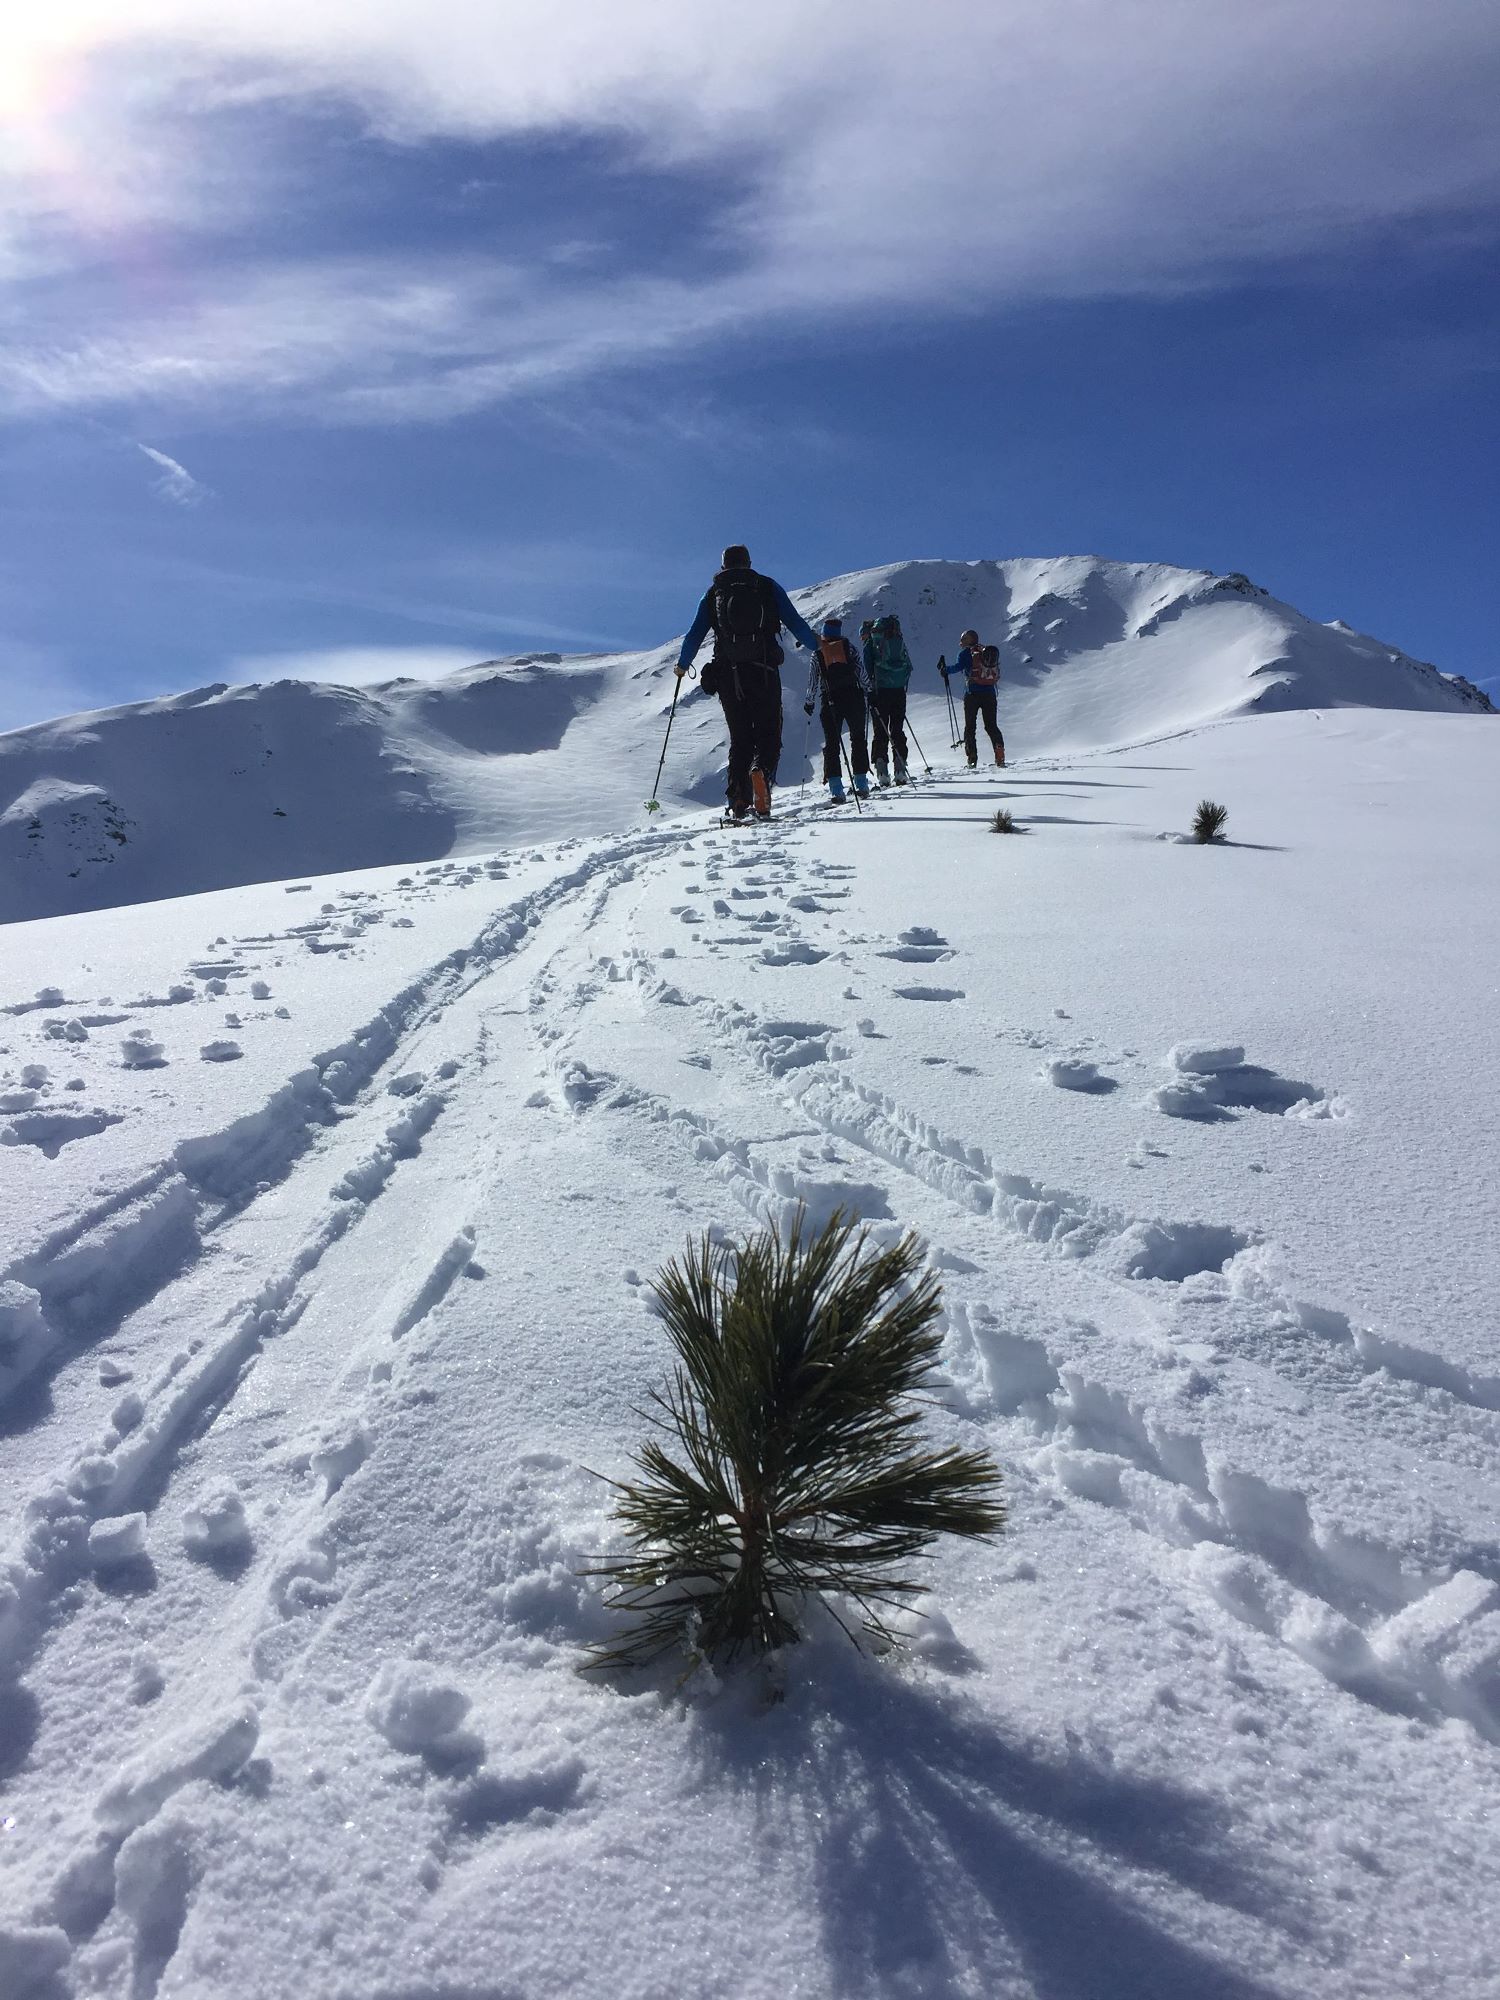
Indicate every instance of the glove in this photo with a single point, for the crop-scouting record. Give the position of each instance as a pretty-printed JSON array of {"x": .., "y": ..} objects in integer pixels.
[
  {"x": 807, "y": 708},
  {"x": 679, "y": 671}
]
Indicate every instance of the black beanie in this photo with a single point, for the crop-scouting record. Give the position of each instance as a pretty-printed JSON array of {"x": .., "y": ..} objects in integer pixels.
[{"x": 736, "y": 556}]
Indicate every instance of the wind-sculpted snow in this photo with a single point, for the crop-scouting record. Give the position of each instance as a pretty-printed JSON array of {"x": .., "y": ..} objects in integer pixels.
[
  {"x": 245, "y": 784},
  {"x": 318, "y": 1362}
]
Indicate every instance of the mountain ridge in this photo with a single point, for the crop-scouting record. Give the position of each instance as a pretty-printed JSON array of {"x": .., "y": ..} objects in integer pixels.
[{"x": 225, "y": 784}]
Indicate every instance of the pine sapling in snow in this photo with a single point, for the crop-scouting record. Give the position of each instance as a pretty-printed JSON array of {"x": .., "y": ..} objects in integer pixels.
[
  {"x": 790, "y": 1463},
  {"x": 1208, "y": 822},
  {"x": 1003, "y": 823}
]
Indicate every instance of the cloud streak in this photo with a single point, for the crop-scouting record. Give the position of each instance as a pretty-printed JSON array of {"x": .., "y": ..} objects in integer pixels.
[
  {"x": 176, "y": 483},
  {"x": 895, "y": 163}
]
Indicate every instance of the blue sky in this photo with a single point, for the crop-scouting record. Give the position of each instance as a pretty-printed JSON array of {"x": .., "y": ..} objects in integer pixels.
[{"x": 387, "y": 338}]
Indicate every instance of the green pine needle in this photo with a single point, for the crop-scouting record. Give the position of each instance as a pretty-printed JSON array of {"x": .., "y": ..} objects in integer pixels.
[
  {"x": 1208, "y": 822},
  {"x": 789, "y": 1462}
]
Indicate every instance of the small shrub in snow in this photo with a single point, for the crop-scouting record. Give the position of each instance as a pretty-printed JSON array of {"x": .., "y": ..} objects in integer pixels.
[
  {"x": 1003, "y": 823},
  {"x": 790, "y": 1464},
  {"x": 1208, "y": 822}
]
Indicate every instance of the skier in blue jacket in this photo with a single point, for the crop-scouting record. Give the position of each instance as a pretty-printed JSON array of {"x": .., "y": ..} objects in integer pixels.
[
  {"x": 746, "y": 612},
  {"x": 980, "y": 667}
]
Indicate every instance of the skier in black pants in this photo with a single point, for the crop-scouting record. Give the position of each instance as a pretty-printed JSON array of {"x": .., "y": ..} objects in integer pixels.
[
  {"x": 746, "y": 612},
  {"x": 887, "y": 670},
  {"x": 980, "y": 667},
  {"x": 837, "y": 683}
]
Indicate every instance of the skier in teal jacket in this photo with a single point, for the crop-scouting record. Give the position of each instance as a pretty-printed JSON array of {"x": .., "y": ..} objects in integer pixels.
[{"x": 888, "y": 669}]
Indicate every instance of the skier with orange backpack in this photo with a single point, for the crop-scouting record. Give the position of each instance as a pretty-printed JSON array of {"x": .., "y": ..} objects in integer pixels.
[
  {"x": 838, "y": 686},
  {"x": 980, "y": 667}
]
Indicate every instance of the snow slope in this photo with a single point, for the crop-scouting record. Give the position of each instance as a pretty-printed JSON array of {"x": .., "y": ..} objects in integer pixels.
[
  {"x": 317, "y": 1342},
  {"x": 228, "y": 785}
]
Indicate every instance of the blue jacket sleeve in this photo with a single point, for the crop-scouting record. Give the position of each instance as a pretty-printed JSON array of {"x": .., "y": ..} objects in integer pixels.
[
  {"x": 792, "y": 618},
  {"x": 698, "y": 630}
]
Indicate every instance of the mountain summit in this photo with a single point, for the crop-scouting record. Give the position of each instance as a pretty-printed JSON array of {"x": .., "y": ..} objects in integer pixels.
[{"x": 227, "y": 785}]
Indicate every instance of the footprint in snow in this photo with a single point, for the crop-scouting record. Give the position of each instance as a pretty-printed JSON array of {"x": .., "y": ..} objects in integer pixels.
[{"x": 50, "y": 1131}]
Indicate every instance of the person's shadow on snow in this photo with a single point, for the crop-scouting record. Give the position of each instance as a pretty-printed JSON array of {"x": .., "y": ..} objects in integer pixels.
[{"x": 952, "y": 1860}]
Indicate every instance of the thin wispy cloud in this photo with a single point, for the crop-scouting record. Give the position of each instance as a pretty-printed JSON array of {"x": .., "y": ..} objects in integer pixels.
[
  {"x": 885, "y": 162},
  {"x": 175, "y": 482}
]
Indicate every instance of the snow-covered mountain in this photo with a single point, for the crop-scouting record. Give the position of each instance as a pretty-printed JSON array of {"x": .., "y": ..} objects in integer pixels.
[
  {"x": 227, "y": 785},
  {"x": 329, "y": 1213}
]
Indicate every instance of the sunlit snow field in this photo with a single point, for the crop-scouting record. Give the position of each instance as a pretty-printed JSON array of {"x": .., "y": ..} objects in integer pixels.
[{"x": 328, "y": 1214}]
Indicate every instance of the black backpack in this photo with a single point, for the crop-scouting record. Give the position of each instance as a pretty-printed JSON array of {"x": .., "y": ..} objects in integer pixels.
[
  {"x": 840, "y": 665},
  {"x": 746, "y": 620}
]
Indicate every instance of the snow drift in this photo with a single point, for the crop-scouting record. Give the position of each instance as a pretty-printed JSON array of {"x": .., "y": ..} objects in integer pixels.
[{"x": 228, "y": 785}]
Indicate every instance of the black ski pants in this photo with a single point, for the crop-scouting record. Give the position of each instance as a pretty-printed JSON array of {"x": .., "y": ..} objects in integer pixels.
[
  {"x": 980, "y": 702},
  {"x": 843, "y": 706},
  {"x": 888, "y": 722},
  {"x": 751, "y": 700}
]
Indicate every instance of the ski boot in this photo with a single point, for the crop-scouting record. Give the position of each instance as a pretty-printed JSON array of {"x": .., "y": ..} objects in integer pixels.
[
  {"x": 883, "y": 774},
  {"x": 861, "y": 784},
  {"x": 760, "y": 795},
  {"x": 835, "y": 790},
  {"x": 1000, "y": 755},
  {"x": 901, "y": 777}
]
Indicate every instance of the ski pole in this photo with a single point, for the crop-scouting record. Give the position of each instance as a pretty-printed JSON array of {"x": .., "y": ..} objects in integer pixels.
[
  {"x": 948, "y": 691},
  {"x": 858, "y": 802},
  {"x": 918, "y": 748},
  {"x": 653, "y": 804},
  {"x": 806, "y": 738}
]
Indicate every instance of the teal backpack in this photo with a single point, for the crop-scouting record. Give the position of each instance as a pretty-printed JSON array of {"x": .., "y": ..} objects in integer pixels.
[{"x": 890, "y": 663}]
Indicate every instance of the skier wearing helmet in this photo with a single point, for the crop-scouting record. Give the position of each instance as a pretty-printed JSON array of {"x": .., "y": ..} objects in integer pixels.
[{"x": 980, "y": 667}]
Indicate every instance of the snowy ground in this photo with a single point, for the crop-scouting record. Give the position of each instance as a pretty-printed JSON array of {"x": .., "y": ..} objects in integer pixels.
[{"x": 320, "y": 1324}]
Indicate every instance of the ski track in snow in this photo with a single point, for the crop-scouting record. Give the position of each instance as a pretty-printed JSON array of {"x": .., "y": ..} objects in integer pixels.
[
  {"x": 1352, "y": 1608},
  {"x": 1083, "y": 1342}
]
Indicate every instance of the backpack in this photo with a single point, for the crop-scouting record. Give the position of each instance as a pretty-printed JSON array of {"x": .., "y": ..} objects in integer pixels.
[
  {"x": 890, "y": 663},
  {"x": 984, "y": 667},
  {"x": 837, "y": 659},
  {"x": 746, "y": 620}
]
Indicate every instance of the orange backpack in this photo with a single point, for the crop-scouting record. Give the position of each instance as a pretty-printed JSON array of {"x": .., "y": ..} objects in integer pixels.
[{"x": 838, "y": 667}]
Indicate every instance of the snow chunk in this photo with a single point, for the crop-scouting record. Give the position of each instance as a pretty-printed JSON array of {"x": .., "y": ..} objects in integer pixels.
[
  {"x": 215, "y": 1524},
  {"x": 33, "y": 1959},
  {"x": 221, "y": 1051},
  {"x": 208, "y": 1750},
  {"x": 1071, "y": 1073},
  {"x": 1205, "y": 1058},
  {"x": 25, "y": 1335},
  {"x": 141, "y": 1051},
  {"x": 413, "y": 1708},
  {"x": 117, "y": 1540}
]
